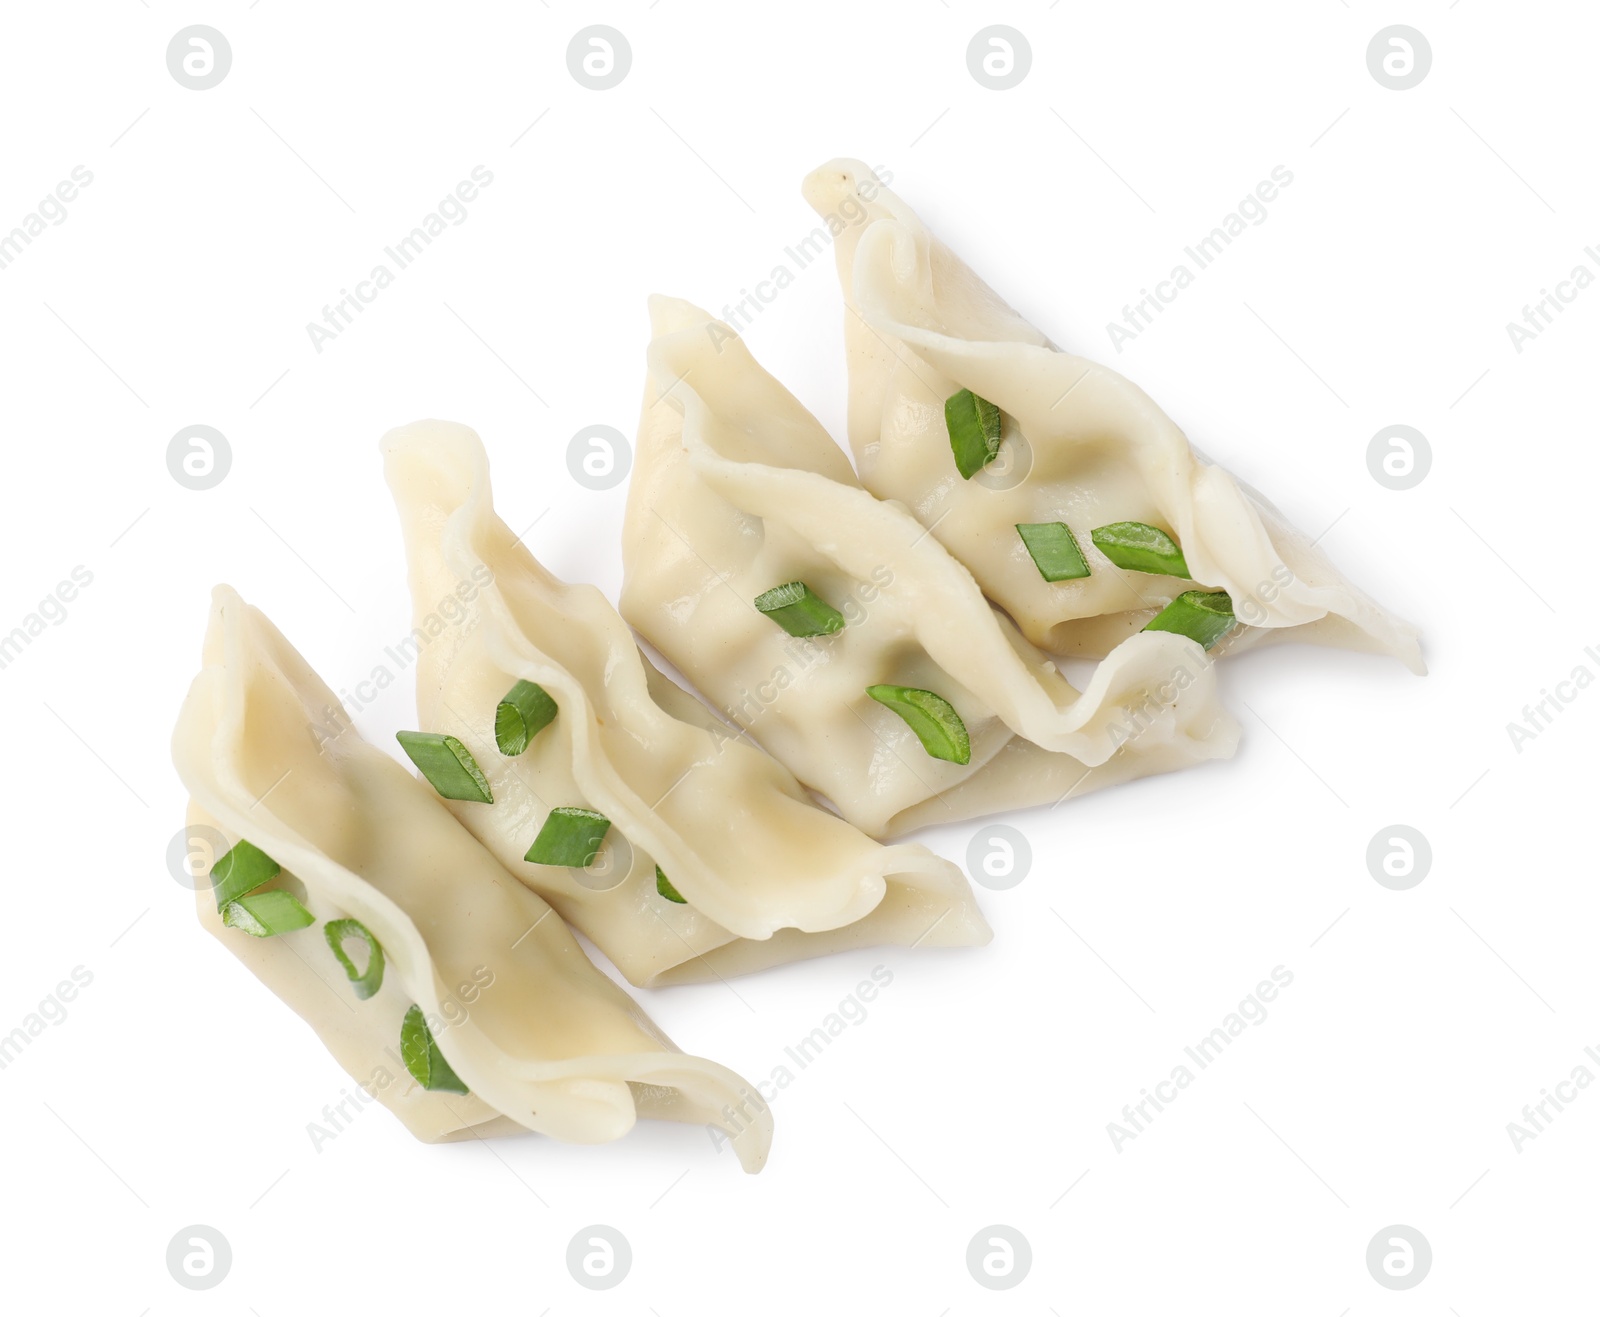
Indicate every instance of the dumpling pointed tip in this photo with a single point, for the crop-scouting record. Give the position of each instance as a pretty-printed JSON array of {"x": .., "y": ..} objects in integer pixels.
[
  {"x": 825, "y": 185},
  {"x": 671, "y": 315},
  {"x": 431, "y": 436}
]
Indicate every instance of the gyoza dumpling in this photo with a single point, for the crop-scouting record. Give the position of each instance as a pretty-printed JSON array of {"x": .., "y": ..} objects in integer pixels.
[
  {"x": 539, "y": 1036},
  {"x": 715, "y": 861},
  {"x": 1081, "y": 445},
  {"x": 737, "y": 489}
]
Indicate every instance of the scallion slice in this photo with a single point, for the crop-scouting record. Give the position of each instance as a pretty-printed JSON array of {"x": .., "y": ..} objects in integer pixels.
[
  {"x": 1054, "y": 550},
  {"x": 665, "y": 887},
  {"x": 1205, "y": 616},
  {"x": 1136, "y": 547},
  {"x": 241, "y": 870},
  {"x": 974, "y": 426},
  {"x": 932, "y": 717},
  {"x": 522, "y": 714},
  {"x": 448, "y": 765},
  {"x": 365, "y": 983},
  {"x": 423, "y": 1058},
  {"x": 800, "y": 612},
  {"x": 570, "y": 838},
  {"x": 266, "y": 914}
]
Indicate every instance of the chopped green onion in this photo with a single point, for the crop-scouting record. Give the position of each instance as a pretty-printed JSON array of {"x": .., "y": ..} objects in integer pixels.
[
  {"x": 1201, "y": 615},
  {"x": 1054, "y": 550},
  {"x": 1136, "y": 547},
  {"x": 570, "y": 838},
  {"x": 423, "y": 1058},
  {"x": 665, "y": 887},
  {"x": 241, "y": 870},
  {"x": 364, "y": 983},
  {"x": 932, "y": 717},
  {"x": 448, "y": 765},
  {"x": 974, "y": 426},
  {"x": 524, "y": 712},
  {"x": 266, "y": 914},
  {"x": 798, "y": 611}
]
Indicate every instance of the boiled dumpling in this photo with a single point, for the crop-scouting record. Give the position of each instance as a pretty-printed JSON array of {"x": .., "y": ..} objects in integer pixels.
[
  {"x": 737, "y": 490},
  {"x": 1080, "y": 445},
  {"x": 714, "y": 860},
  {"x": 539, "y": 1037}
]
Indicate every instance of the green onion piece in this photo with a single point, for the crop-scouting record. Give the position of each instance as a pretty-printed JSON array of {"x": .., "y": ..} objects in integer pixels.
[
  {"x": 1054, "y": 551},
  {"x": 974, "y": 426},
  {"x": 423, "y": 1058},
  {"x": 1205, "y": 616},
  {"x": 365, "y": 984},
  {"x": 1136, "y": 547},
  {"x": 798, "y": 611},
  {"x": 266, "y": 914},
  {"x": 570, "y": 837},
  {"x": 937, "y": 725},
  {"x": 448, "y": 765},
  {"x": 241, "y": 870},
  {"x": 665, "y": 887},
  {"x": 524, "y": 712}
]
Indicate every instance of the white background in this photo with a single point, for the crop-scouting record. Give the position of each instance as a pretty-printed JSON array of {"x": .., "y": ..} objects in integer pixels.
[{"x": 1378, "y": 1091}]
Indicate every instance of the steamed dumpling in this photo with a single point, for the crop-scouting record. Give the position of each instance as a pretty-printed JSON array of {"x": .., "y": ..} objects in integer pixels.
[
  {"x": 738, "y": 489},
  {"x": 541, "y": 1038},
  {"x": 766, "y": 876},
  {"x": 1095, "y": 450}
]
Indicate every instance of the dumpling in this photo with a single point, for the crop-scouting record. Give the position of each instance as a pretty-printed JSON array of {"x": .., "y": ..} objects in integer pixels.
[
  {"x": 711, "y": 859},
  {"x": 522, "y": 1020},
  {"x": 737, "y": 491},
  {"x": 1080, "y": 445}
]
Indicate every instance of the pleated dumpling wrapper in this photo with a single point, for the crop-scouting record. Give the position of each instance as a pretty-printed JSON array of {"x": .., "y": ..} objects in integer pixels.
[
  {"x": 538, "y": 1035},
  {"x": 714, "y": 861},
  {"x": 737, "y": 489},
  {"x": 1079, "y": 444}
]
